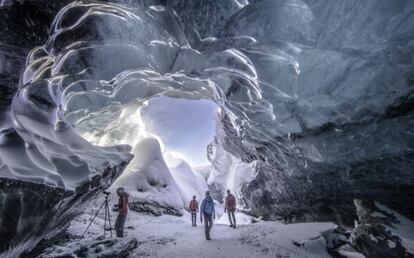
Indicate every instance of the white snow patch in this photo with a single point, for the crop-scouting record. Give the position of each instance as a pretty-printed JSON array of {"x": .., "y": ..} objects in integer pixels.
[
  {"x": 148, "y": 177},
  {"x": 241, "y": 219}
]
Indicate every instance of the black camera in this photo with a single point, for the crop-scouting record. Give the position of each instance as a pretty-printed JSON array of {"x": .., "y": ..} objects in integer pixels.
[{"x": 106, "y": 193}]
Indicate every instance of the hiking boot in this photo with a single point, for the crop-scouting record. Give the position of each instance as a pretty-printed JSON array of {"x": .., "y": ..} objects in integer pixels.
[{"x": 231, "y": 225}]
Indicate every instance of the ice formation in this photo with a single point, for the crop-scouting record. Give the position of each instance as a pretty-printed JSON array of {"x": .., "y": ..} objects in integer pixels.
[
  {"x": 315, "y": 96},
  {"x": 148, "y": 178}
]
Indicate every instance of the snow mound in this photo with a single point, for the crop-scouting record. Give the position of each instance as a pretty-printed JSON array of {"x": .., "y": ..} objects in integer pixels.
[
  {"x": 148, "y": 178},
  {"x": 191, "y": 182}
]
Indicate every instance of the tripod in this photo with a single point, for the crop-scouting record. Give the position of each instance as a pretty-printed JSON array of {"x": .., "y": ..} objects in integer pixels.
[{"x": 107, "y": 216}]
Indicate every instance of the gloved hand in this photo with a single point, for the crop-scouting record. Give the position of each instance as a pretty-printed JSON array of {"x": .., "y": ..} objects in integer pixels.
[{"x": 225, "y": 210}]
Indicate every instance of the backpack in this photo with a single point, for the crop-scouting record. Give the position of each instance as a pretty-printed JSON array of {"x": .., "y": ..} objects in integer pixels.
[
  {"x": 208, "y": 206},
  {"x": 193, "y": 205}
]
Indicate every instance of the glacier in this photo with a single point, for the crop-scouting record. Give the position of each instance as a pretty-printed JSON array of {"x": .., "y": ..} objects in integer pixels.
[{"x": 315, "y": 105}]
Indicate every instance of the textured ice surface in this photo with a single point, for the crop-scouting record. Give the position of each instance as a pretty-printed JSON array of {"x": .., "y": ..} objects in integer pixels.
[
  {"x": 316, "y": 96},
  {"x": 340, "y": 83},
  {"x": 205, "y": 18}
]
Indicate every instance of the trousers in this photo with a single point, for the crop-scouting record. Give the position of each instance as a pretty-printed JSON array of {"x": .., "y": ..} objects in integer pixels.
[
  {"x": 194, "y": 219},
  {"x": 208, "y": 224},
  {"x": 232, "y": 218},
  {"x": 119, "y": 225}
]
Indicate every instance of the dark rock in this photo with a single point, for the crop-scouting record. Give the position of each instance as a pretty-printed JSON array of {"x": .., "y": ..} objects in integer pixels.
[
  {"x": 154, "y": 208},
  {"x": 376, "y": 232},
  {"x": 336, "y": 238},
  {"x": 108, "y": 248},
  {"x": 82, "y": 251}
]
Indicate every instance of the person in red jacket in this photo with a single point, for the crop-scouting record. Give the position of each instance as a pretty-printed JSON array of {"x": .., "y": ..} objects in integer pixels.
[
  {"x": 122, "y": 209},
  {"x": 230, "y": 207},
  {"x": 193, "y": 208}
]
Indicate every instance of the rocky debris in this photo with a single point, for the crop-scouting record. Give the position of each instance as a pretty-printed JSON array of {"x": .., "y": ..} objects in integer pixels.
[
  {"x": 99, "y": 248},
  {"x": 154, "y": 208},
  {"x": 379, "y": 232},
  {"x": 336, "y": 239}
]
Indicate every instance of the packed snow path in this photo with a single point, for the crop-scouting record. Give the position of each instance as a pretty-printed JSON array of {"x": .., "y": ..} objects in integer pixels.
[
  {"x": 170, "y": 236},
  {"x": 176, "y": 238}
]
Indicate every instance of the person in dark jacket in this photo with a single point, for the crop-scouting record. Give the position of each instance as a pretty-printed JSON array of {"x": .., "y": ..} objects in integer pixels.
[
  {"x": 207, "y": 211},
  {"x": 193, "y": 208},
  {"x": 122, "y": 208},
  {"x": 230, "y": 208}
]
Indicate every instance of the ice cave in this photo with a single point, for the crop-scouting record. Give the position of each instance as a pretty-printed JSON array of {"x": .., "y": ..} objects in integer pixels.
[{"x": 302, "y": 109}]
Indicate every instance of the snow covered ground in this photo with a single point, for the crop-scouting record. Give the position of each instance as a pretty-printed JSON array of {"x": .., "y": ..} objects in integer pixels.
[
  {"x": 171, "y": 182},
  {"x": 170, "y": 236}
]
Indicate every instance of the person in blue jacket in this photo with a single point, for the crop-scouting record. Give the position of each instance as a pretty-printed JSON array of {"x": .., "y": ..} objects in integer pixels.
[{"x": 207, "y": 211}]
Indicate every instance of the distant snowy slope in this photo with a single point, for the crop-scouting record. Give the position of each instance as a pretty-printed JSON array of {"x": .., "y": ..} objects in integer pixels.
[
  {"x": 190, "y": 181},
  {"x": 148, "y": 178}
]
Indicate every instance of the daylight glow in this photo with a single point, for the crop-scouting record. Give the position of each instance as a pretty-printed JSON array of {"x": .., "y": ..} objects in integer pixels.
[{"x": 185, "y": 127}]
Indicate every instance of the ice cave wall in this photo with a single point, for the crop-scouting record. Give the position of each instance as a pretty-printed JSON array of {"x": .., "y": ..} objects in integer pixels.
[
  {"x": 315, "y": 95},
  {"x": 347, "y": 70},
  {"x": 338, "y": 77}
]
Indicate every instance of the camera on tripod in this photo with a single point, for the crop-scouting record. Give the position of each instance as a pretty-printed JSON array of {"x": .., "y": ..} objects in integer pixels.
[{"x": 107, "y": 219}]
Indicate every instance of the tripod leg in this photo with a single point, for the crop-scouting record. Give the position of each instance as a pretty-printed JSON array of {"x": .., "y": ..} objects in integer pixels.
[
  {"x": 96, "y": 214},
  {"x": 106, "y": 205},
  {"x": 109, "y": 220},
  {"x": 108, "y": 217}
]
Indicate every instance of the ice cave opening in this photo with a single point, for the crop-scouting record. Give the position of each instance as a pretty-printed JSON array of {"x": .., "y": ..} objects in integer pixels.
[
  {"x": 171, "y": 162},
  {"x": 185, "y": 127}
]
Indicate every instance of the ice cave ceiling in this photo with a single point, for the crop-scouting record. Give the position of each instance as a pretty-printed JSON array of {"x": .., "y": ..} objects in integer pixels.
[{"x": 315, "y": 95}]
